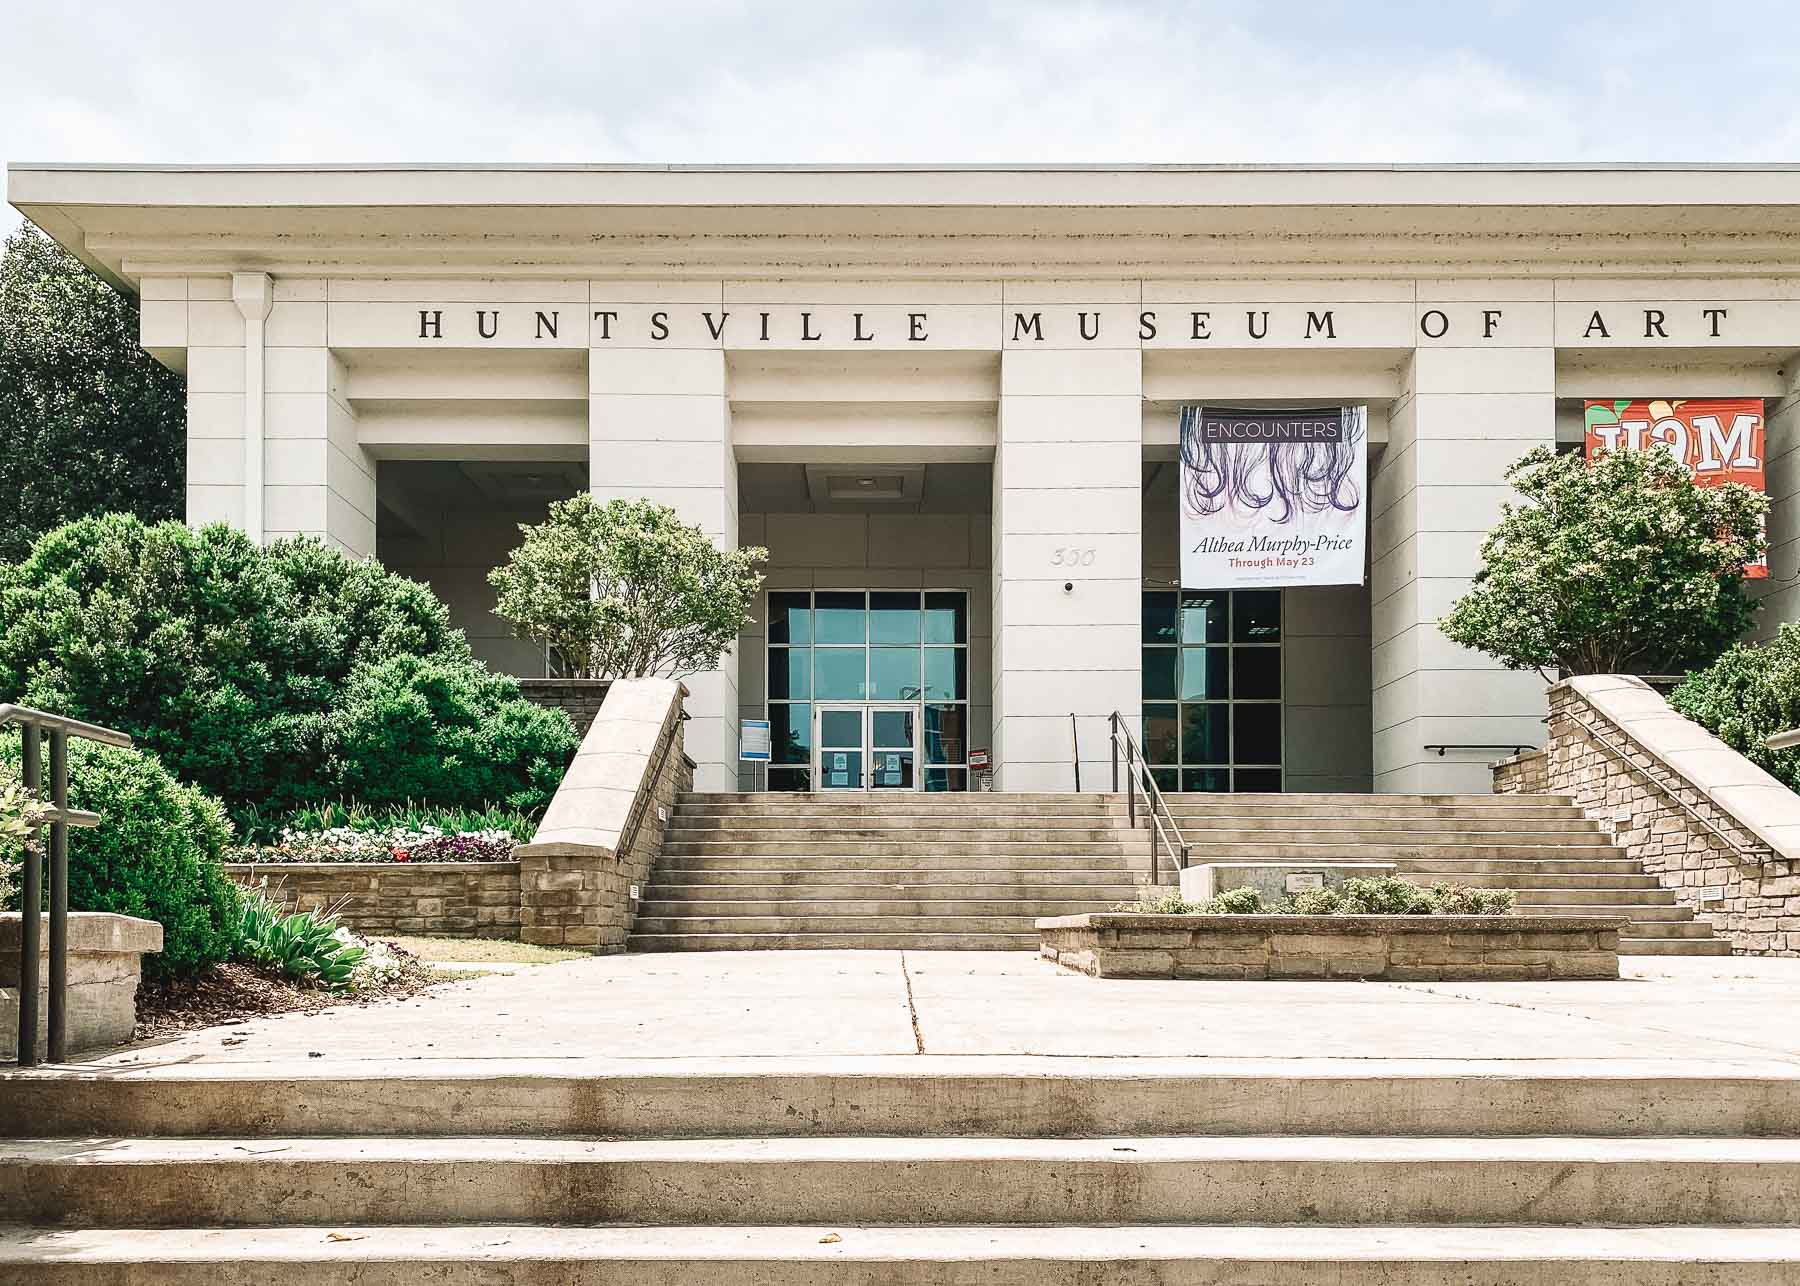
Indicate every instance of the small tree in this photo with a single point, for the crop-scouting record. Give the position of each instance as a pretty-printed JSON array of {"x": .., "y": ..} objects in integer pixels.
[
  {"x": 626, "y": 589},
  {"x": 1619, "y": 564}
]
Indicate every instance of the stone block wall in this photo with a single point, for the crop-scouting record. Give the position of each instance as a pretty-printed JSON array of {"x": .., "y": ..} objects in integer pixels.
[
  {"x": 1732, "y": 853},
  {"x": 604, "y": 829},
  {"x": 440, "y": 899},
  {"x": 1523, "y": 774},
  {"x": 106, "y": 954},
  {"x": 1393, "y": 948},
  {"x": 580, "y": 699}
]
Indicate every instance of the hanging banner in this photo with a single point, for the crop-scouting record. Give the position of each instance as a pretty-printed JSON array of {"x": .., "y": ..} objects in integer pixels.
[
  {"x": 1718, "y": 439},
  {"x": 1273, "y": 497}
]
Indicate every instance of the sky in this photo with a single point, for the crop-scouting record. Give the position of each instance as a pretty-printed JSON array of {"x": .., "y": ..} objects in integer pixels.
[{"x": 859, "y": 81}]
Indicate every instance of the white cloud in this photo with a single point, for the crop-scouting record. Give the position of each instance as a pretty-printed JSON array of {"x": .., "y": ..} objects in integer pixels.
[{"x": 1050, "y": 80}]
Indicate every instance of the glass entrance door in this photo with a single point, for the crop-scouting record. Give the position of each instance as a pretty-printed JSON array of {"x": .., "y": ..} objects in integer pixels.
[{"x": 867, "y": 747}]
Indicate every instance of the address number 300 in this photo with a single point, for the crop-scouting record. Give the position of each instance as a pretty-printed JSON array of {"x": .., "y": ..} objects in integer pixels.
[{"x": 1072, "y": 556}]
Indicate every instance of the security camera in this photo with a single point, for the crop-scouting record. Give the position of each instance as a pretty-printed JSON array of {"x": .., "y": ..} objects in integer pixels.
[{"x": 1068, "y": 587}]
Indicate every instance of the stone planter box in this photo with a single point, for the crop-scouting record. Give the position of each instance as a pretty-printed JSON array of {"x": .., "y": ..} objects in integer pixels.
[
  {"x": 1393, "y": 948},
  {"x": 442, "y": 899},
  {"x": 106, "y": 954}
]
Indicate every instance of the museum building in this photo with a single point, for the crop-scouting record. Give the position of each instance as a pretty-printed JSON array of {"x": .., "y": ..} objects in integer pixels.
[{"x": 964, "y": 408}]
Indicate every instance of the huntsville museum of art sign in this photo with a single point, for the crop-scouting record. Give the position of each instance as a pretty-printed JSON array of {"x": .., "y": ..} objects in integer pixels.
[{"x": 1379, "y": 324}]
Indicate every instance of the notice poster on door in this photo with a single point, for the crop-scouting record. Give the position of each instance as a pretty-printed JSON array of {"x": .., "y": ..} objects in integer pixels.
[
  {"x": 1718, "y": 439},
  {"x": 1273, "y": 497}
]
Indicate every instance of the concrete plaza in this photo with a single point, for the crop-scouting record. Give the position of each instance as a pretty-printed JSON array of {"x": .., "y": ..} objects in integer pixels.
[{"x": 729, "y": 1005}]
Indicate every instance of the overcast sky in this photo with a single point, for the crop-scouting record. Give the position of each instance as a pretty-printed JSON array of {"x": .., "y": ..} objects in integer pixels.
[{"x": 856, "y": 81}]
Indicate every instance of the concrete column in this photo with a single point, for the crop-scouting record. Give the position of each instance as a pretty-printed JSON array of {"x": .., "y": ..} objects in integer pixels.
[
  {"x": 1463, "y": 416},
  {"x": 659, "y": 428},
  {"x": 196, "y": 315},
  {"x": 1068, "y": 510},
  {"x": 318, "y": 479},
  {"x": 1781, "y": 591}
]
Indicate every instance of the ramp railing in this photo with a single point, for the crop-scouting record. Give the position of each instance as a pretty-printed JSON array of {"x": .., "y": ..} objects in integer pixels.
[
  {"x": 1164, "y": 833},
  {"x": 36, "y": 726}
]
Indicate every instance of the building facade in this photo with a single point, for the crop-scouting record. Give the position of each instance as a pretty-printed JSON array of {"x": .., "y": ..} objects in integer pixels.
[{"x": 946, "y": 400}]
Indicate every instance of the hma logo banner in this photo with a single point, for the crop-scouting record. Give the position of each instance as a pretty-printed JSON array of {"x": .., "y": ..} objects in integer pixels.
[{"x": 1718, "y": 439}]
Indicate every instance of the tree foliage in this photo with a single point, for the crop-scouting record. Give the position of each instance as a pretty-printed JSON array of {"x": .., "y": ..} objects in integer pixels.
[
  {"x": 254, "y": 671},
  {"x": 155, "y": 854},
  {"x": 1750, "y": 693},
  {"x": 1621, "y": 564},
  {"x": 626, "y": 589},
  {"x": 89, "y": 422}
]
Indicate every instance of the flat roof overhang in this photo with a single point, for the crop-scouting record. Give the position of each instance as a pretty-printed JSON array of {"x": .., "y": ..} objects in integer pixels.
[{"x": 906, "y": 220}]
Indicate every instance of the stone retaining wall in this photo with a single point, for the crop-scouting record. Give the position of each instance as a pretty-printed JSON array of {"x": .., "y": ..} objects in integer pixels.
[
  {"x": 580, "y": 699},
  {"x": 1393, "y": 948},
  {"x": 442, "y": 899},
  {"x": 1523, "y": 774},
  {"x": 604, "y": 828},
  {"x": 1732, "y": 854}
]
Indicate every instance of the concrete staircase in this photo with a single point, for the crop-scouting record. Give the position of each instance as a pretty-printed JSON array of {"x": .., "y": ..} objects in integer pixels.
[
  {"x": 908, "y": 1170},
  {"x": 923, "y": 872},
  {"x": 904, "y": 872},
  {"x": 1542, "y": 846}
]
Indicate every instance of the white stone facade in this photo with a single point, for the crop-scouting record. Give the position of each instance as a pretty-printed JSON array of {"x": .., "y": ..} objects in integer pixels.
[{"x": 407, "y": 362}]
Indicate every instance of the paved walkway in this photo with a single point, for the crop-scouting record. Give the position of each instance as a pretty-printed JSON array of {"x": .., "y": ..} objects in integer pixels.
[{"x": 861, "y": 1003}]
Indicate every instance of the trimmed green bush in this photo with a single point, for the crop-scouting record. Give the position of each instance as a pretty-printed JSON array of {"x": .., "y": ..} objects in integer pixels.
[
  {"x": 1750, "y": 693},
  {"x": 259, "y": 674},
  {"x": 1388, "y": 895},
  {"x": 155, "y": 854}
]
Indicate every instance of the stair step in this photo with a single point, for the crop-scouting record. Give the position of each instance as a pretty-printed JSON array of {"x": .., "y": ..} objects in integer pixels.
[
  {"x": 832, "y": 1255},
  {"x": 1637, "y": 945},
  {"x": 885, "y": 941},
  {"x": 658, "y": 907},
  {"x": 885, "y": 1180},
  {"x": 918, "y": 1096},
  {"x": 908, "y": 834},
  {"x": 901, "y": 861},
  {"x": 774, "y": 878}
]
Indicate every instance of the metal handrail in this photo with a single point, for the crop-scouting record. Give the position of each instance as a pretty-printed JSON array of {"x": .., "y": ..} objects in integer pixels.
[
  {"x": 1138, "y": 777},
  {"x": 1075, "y": 749},
  {"x": 1671, "y": 793},
  {"x": 33, "y": 725}
]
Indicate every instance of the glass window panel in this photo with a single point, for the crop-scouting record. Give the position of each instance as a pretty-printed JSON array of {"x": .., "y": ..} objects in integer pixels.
[
  {"x": 1166, "y": 779},
  {"x": 1258, "y": 779},
  {"x": 1255, "y": 673},
  {"x": 790, "y": 779},
  {"x": 1204, "y": 673},
  {"x": 838, "y": 673},
  {"x": 893, "y": 674},
  {"x": 840, "y": 770},
  {"x": 1256, "y": 734},
  {"x": 790, "y": 734},
  {"x": 840, "y": 618},
  {"x": 892, "y": 769},
  {"x": 893, "y": 617},
  {"x": 841, "y": 728},
  {"x": 1202, "y": 617},
  {"x": 1207, "y": 780},
  {"x": 790, "y": 618},
  {"x": 946, "y": 674},
  {"x": 946, "y": 734},
  {"x": 1162, "y": 734},
  {"x": 891, "y": 729},
  {"x": 1203, "y": 728},
  {"x": 790, "y": 673},
  {"x": 938, "y": 780},
  {"x": 1159, "y": 618},
  {"x": 946, "y": 617},
  {"x": 1256, "y": 616},
  {"x": 1159, "y": 673}
]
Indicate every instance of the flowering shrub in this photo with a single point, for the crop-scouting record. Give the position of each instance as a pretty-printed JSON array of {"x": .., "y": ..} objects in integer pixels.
[
  {"x": 379, "y": 965},
  {"x": 387, "y": 844}
]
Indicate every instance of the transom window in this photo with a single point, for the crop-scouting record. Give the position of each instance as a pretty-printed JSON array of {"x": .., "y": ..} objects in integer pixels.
[
  {"x": 830, "y": 647},
  {"x": 1212, "y": 689}
]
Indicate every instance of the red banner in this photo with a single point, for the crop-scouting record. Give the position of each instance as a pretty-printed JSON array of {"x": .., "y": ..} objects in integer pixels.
[{"x": 1718, "y": 439}]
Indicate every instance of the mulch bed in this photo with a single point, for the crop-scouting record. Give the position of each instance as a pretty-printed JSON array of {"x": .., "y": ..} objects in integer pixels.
[{"x": 230, "y": 993}]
